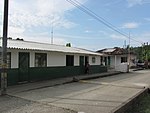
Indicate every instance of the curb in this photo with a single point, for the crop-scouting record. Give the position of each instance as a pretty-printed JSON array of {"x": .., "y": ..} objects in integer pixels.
[
  {"x": 101, "y": 76},
  {"x": 77, "y": 78}
]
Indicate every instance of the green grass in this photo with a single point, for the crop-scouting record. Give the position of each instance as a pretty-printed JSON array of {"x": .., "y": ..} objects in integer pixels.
[{"x": 143, "y": 106}]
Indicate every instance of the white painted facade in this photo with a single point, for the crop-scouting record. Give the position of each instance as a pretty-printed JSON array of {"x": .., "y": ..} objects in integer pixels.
[
  {"x": 97, "y": 60},
  {"x": 56, "y": 54},
  {"x": 54, "y": 59},
  {"x": 115, "y": 62}
]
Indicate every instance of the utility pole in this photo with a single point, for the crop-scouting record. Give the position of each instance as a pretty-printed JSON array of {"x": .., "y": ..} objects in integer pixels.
[
  {"x": 129, "y": 54},
  {"x": 146, "y": 51},
  {"x": 4, "y": 50}
]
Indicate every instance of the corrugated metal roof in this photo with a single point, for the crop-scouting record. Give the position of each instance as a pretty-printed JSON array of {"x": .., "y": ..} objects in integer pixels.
[
  {"x": 109, "y": 50},
  {"x": 114, "y": 51},
  {"x": 17, "y": 44}
]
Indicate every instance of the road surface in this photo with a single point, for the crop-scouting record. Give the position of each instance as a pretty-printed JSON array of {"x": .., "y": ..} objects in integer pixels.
[{"x": 101, "y": 95}]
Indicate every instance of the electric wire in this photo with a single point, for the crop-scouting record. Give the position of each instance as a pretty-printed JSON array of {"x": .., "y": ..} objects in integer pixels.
[{"x": 100, "y": 19}]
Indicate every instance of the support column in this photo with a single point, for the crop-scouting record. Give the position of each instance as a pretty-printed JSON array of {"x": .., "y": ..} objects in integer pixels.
[{"x": 4, "y": 50}]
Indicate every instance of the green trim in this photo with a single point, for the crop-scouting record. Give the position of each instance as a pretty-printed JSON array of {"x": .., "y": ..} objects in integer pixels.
[
  {"x": 12, "y": 76},
  {"x": 97, "y": 69},
  {"x": 45, "y": 73},
  {"x": 42, "y": 73}
]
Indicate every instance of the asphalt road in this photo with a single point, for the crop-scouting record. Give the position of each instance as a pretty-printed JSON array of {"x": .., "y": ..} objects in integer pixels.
[{"x": 100, "y": 95}]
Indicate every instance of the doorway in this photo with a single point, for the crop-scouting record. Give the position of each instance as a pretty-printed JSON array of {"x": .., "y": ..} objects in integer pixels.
[{"x": 23, "y": 67}]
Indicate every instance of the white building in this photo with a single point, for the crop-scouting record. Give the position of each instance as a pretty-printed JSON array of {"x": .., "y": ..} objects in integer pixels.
[
  {"x": 31, "y": 61},
  {"x": 118, "y": 58}
]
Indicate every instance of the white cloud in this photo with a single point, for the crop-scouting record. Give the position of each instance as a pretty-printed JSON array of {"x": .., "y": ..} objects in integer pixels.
[
  {"x": 88, "y": 31},
  {"x": 30, "y": 14},
  {"x": 34, "y": 13},
  {"x": 46, "y": 39},
  {"x": 120, "y": 37},
  {"x": 130, "y": 25},
  {"x": 132, "y": 3},
  {"x": 1, "y": 4},
  {"x": 15, "y": 32}
]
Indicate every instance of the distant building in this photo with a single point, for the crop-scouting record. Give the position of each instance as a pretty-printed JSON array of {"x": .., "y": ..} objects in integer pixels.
[
  {"x": 32, "y": 61},
  {"x": 117, "y": 56}
]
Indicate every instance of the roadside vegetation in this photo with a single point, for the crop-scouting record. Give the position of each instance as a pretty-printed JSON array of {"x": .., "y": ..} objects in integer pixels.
[
  {"x": 143, "y": 55},
  {"x": 142, "y": 52},
  {"x": 143, "y": 106}
]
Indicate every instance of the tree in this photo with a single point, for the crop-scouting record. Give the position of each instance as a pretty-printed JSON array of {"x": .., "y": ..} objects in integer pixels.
[{"x": 68, "y": 45}]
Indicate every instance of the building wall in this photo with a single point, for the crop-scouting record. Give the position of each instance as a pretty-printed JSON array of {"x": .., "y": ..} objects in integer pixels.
[
  {"x": 56, "y": 68},
  {"x": 112, "y": 61},
  {"x": 118, "y": 60},
  {"x": 97, "y": 60},
  {"x": 14, "y": 58},
  {"x": 54, "y": 59}
]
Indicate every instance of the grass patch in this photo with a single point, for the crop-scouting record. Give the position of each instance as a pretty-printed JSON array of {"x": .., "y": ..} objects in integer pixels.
[{"x": 142, "y": 106}]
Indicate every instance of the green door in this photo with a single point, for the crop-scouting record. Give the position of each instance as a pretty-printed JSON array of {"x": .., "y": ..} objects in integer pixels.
[
  {"x": 23, "y": 67},
  {"x": 81, "y": 61}
]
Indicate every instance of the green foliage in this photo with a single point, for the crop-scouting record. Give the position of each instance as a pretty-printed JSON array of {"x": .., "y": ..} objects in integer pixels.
[
  {"x": 142, "y": 52},
  {"x": 68, "y": 45}
]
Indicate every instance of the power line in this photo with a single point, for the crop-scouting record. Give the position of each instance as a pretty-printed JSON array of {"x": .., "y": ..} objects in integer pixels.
[{"x": 100, "y": 19}]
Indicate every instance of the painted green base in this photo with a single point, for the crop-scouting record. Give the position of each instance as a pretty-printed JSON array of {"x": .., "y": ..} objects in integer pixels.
[{"x": 44, "y": 73}]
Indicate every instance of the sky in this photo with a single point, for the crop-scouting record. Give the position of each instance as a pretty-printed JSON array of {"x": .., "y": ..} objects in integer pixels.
[{"x": 34, "y": 20}]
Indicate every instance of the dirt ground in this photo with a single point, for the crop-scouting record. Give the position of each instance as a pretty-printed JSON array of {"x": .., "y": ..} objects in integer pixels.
[{"x": 9, "y": 104}]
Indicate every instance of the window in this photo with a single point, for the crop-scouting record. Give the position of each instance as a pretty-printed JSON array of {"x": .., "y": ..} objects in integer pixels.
[
  {"x": 93, "y": 59},
  {"x": 8, "y": 60},
  {"x": 40, "y": 59},
  {"x": 123, "y": 59},
  {"x": 69, "y": 60}
]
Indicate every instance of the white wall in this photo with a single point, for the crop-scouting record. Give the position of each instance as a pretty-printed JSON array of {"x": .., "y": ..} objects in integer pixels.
[
  {"x": 112, "y": 61},
  {"x": 53, "y": 58},
  {"x": 14, "y": 58},
  {"x": 118, "y": 60},
  {"x": 123, "y": 67},
  {"x": 117, "y": 65},
  {"x": 97, "y": 60}
]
